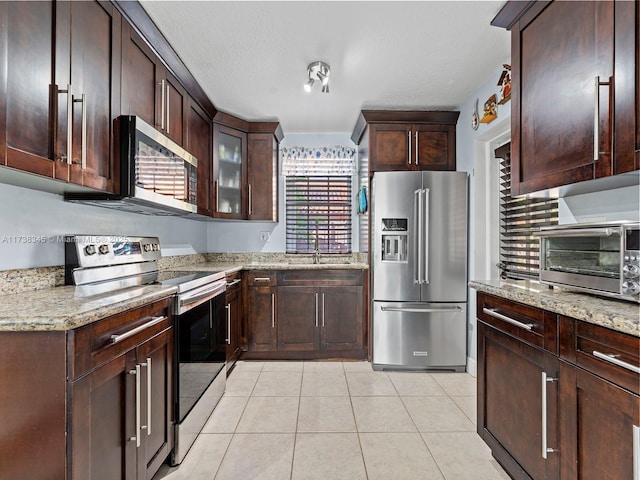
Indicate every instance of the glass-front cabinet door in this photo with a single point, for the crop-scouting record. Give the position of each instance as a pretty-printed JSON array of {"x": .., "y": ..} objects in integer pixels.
[{"x": 230, "y": 172}]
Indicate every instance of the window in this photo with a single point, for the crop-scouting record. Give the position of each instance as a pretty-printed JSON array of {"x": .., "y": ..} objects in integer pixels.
[
  {"x": 520, "y": 217},
  {"x": 318, "y": 199}
]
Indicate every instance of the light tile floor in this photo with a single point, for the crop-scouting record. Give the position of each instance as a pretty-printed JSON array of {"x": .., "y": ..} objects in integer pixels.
[{"x": 339, "y": 420}]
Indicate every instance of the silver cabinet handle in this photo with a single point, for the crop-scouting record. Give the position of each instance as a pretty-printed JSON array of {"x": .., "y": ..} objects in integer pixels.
[
  {"x": 409, "y": 145},
  {"x": 596, "y": 121},
  {"x": 262, "y": 279},
  {"x": 148, "y": 364},
  {"x": 416, "y": 136},
  {"x": 250, "y": 201},
  {"x": 418, "y": 237},
  {"x": 83, "y": 133},
  {"x": 69, "y": 154},
  {"x": 316, "y": 295},
  {"x": 492, "y": 312},
  {"x": 69, "y": 124},
  {"x": 420, "y": 310},
  {"x": 273, "y": 310},
  {"x": 138, "y": 420},
  {"x": 322, "y": 309},
  {"x": 636, "y": 452},
  {"x": 227, "y": 307},
  {"x": 608, "y": 357},
  {"x": 162, "y": 106},
  {"x": 425, "y": 234},
  {"x": 217, "y": 202},
  {"x": 167, "y": 90},
  {"x": 133, "y": 331},
  {"x": 235, "y": 282},
  {"x": 545, "y": 380},
  {"x": 136, "y": 437}
]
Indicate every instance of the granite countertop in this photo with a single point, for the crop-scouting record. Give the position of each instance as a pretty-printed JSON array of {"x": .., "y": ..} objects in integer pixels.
[
  {"x": 617, "y": 315},
  {"x": 68, "y": 307}
]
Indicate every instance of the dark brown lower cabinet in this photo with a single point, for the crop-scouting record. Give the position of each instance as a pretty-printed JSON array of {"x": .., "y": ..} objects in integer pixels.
[
  {"x": 599, "y": 420},
  {"x": 261, "y": 326},
  {"x": 310, "y": 314},
  {"x": 233, "y": 310},
  {"x": 576, "y": 401},
  {"x": 513, "y": 403},
  {"x": 100, "y": 404}
]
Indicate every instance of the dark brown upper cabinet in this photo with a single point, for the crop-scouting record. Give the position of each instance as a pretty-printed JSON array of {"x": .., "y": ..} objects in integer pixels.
[
  {"x": 149, "y": 90},
  {"x": 200, "y": 144},
  {"x": 574, "y": 102},
  {"x": 57, "y": 116},
  {"x": 408, "y": 140},
  {"x": 245, "y": 168},
  {"x": 262, "y": 172}
]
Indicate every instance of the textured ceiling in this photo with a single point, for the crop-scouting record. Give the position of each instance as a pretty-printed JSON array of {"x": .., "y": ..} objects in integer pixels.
[{"x": 251, "y": 57}]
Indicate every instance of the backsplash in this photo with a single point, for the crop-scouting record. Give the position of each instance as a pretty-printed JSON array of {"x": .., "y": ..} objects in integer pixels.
[{"x": 279, "y": 257}]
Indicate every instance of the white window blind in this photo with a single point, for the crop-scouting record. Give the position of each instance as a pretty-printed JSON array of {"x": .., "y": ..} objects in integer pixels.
[
  {"x": 318, "y": 198},
  {"x": 520, "y": 217}
]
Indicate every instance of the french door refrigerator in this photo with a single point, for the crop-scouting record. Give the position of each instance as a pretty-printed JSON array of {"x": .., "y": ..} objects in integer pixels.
[{"x": 419, "y": 273}]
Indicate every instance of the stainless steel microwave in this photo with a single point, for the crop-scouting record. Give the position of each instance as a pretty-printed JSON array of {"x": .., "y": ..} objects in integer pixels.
[
  {"x": 603, "y": 259},
  {"x": 157, "y": 176}
]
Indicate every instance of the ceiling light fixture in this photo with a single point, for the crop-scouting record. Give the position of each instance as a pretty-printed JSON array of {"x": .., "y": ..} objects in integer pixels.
[{"x": 321, "y": 71}]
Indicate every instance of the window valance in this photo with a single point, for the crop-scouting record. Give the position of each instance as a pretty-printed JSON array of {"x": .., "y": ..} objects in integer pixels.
[{"x": 312, "y": 161}]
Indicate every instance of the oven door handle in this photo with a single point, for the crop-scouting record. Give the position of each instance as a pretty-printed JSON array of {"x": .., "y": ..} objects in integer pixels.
[
  {"x": 208, "y": 291},
  {"x": 578, "y": 232}
]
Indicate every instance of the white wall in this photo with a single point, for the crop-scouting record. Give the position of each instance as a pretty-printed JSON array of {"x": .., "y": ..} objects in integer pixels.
[
  {"x": 239, "y": 236},
  {"x": 26, "y": 214},
  {"x": 474, "y": 152}
]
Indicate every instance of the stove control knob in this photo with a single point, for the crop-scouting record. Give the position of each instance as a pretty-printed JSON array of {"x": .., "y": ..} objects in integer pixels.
[
  {"x": 630, "y": 287},
  {"x": 90, "y": 250},
  {"x": 103, "y": 249},
  {"x": 631, "y": 271},
  {"x": 147, "y": 247}
]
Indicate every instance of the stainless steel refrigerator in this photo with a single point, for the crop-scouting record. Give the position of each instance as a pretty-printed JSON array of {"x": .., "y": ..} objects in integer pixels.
[{"x": 419, "y": 273}]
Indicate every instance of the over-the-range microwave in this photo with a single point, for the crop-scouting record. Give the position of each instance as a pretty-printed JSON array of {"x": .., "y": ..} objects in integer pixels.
[
  {"x": 157, "y": 176},
  {"x": 602, "y": 259}
]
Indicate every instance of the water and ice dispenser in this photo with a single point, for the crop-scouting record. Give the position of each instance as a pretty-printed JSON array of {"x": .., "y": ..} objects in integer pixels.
[{"x": 394, "y": 239}]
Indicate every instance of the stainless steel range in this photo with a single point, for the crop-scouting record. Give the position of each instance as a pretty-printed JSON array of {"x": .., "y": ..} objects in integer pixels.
[{"x": 99, "y": 264}]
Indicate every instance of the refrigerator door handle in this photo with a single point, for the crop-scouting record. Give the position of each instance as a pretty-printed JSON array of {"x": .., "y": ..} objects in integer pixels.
[
  {"x": 417, "y": 244},
  {"x": 425, "y": 234},
  {"x": 420, "y": 310}
]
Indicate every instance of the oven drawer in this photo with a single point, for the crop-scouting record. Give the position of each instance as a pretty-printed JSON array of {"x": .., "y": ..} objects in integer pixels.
[
  {"x": 614, "y": 356},
  {"x": 101, "y": 341},
  {"x": 532, "y": 325},
  {"x": 262, "y": 278}
]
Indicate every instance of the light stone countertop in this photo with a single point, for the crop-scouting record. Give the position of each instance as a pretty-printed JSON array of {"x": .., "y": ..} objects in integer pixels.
[
  {"x": 618, "y": 315},
  {"x": 66, "y": 308}
]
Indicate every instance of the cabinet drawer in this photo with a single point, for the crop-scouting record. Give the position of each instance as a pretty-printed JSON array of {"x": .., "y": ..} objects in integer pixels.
[
  {"x": 319, "y": 277},
  {"x": 101, "y": 341},
  {"x": 234, "y": 281},
  {"x": 530, "y": 324},
  {"x": 262, "y": 278},
  {"x": 614, "y": 356}
]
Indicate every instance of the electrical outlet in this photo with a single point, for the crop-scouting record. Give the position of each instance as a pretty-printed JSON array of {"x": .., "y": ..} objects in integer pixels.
[{"x": 264, "y": 236}]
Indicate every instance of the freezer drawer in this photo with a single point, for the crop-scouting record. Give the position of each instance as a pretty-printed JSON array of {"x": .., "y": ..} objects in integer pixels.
[{"x": 427, "y": 336}]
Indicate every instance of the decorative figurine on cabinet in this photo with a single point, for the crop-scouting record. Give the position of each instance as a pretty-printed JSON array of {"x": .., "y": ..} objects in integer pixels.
[{"x": 505, "y": 84}]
